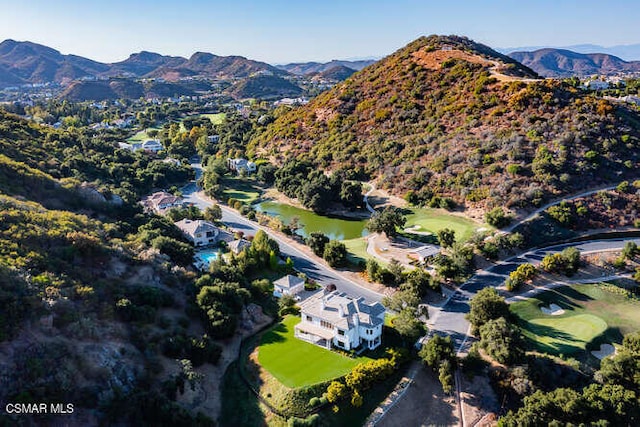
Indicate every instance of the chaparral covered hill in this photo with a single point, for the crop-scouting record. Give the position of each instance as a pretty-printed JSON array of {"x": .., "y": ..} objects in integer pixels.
[
  {"x": 445, "y": 116},
  {"x": 94, "y": 294}
]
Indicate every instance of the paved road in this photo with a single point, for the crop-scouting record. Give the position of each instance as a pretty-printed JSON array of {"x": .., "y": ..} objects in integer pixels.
[
  {"x": 303, "y": 262},
  {"x": 450, "y": 319}
]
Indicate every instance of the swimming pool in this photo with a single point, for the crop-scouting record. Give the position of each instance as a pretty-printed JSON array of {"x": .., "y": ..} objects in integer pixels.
[{"x": 207, "y": 256}]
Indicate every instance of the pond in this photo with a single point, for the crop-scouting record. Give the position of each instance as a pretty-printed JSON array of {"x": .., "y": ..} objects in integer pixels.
[{"x": 334, "y": 228}]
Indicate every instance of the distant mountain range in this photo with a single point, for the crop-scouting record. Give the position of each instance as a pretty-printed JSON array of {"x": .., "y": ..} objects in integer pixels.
[
  {"x": 550, "y": 62},
  {"x": 630, "y": 52},
  {"x": 26, "y": 62},
  {"x": 302, "y": 68}
]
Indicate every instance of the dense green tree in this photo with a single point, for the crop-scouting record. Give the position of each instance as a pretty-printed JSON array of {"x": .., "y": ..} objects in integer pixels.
[
  {"x": 374, "y": 271},
  {"x": 438, "y": 353},
  {"x": 396, "y": 270},
  {"x": 566, "y": 262},
  {"x": 420, "y": 281},
  {"x": 335, "y": 253},
  {"x": 497, "y": 217},
  {"x": 266, "y": 173},
  {"x": 386, "y": 221},
  {"x": 351, "y": 194},
  {"x": 446, "y": 237},
  {"x": 486, "y": 305},
  {"x": 317, "y": 242},
  {"x": 595, "y": 405},
  {"x": 501, "y": 340},
  {"x": 262, "y": 248},
  {"x": 563, "y": 213},
  {"x": 213, "y": 213},
  {"x": 436, "y": 350},
  {"x": 221, "y": 304},
  {"x": 179, "y": 252},
  {"x": 408, "y": 326},
  {"x": 624, "y": 367}
]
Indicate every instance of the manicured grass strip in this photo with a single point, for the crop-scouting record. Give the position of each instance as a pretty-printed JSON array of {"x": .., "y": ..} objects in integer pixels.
[
  {"x": 432, "y": 220},
  {"x": 141, "y": 135},
  {"x": 296, "y": 363},
  {"x": 591, "y": 311},
  {"x": 239, "y": 189},
  {"x": 565, "y": 335},
  {"x": 356, "y": 250},
  {"x": 216, "y": 119}
]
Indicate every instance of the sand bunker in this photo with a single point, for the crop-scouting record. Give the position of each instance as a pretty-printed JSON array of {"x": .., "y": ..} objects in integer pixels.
[
  {"x": 553, "y": 310},
  {"x": 605, "y": 350}
]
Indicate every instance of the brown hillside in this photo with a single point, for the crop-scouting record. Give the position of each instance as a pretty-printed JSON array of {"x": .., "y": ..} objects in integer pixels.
[{"x": 440, "y": 118}]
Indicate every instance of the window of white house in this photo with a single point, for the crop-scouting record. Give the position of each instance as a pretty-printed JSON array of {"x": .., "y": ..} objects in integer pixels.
[
  {"x": 340, "y": 332},
  {"x": 326, "y": 324},
  {"x": 309, "y": 319}
]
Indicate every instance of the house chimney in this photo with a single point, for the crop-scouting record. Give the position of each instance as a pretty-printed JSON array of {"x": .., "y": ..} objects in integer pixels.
[
  {"x": 356, "y": 320},
  {"x": 324, "y": 303},
  {"x": 340, "y": 311}
]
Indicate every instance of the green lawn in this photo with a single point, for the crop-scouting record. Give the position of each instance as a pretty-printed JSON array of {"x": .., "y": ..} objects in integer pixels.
[
  {"x": 356, "y": 250},
  {"x": 141, "y": 135},
  {"x": 296, "y": 363},
  {"x": 216, "y": 119},
  {"x": 240, "y": 189},
  {"x": 593, "y": 314},
  {"x": 432, "y": 220}
]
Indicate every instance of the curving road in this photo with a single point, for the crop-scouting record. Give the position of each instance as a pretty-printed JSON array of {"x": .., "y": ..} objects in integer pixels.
[
  {"x": 449, "y": 319},
  {"x": 303, "y": 262}
]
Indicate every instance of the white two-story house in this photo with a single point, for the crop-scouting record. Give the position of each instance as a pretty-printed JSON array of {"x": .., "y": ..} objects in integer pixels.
[
  {"x": 336, "y": 319},
  {"x": 202, "y": 233}
]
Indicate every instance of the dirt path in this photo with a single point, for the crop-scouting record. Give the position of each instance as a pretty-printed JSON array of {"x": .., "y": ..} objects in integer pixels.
[
  {"x": 535, "y": 213},
  {"x": 385, "y": 249},
  {"x": 424, "y": 403}
]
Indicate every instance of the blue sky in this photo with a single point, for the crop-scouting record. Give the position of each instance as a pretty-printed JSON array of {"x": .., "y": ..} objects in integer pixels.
[{"x": 279, "y": 31}]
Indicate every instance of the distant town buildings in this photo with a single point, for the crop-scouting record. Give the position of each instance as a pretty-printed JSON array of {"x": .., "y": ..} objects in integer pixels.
[
  {"x": 291, "y": 101},
  {"x": 596, "y": 84}
]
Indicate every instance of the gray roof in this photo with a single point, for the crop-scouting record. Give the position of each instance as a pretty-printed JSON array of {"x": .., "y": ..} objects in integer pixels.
[
  {"x": 191, "y": 227},
  {"x": 226, "y": 236},
  {"x": 288, "y": 281},
  {"x": 239, "y": 245},
  {"x": 343, "y": 310},
  {"x": 426, "y": 251}
]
